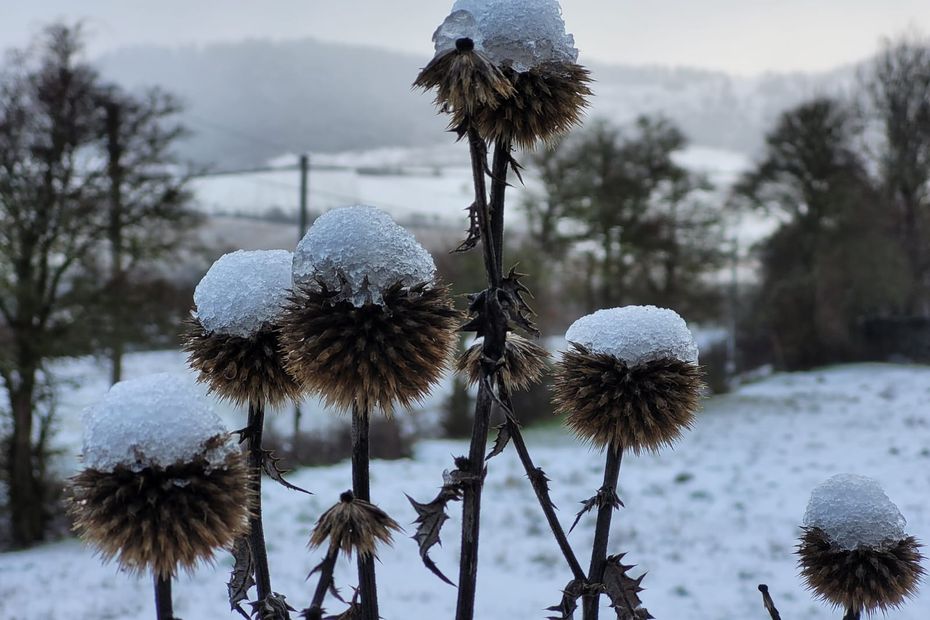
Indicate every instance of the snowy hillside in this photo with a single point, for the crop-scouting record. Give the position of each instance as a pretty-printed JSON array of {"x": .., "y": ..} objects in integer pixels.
[{"x": 709, "y": 521}]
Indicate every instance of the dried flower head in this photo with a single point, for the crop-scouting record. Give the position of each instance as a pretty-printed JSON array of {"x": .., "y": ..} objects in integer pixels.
[
  {"x": 524, "y": 362},
  {"x": 162, "y": 518},
  {"x": 466, "y": 81},
  {"x": 240, "y": 369},
  {"x": 630, "y": 378},
  {"x": 354, "y": 525},
  {"x": 164, "y": 485},
  {"x": 232, "y": 337},
  {"x": 377, "y": 354},
  {"x": 854, "y": 552},
  {"x": 864, "y": 579},
  {"x": 547, "y": 101}
]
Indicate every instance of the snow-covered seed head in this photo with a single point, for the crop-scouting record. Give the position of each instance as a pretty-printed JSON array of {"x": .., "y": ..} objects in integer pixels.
[
  {"x": 232, "y": 336},
  {"x": 163, "y": 485},
  {"x": 630, "y": 379},
  {"x": 524, "y": 362},
  {"x": 367, "y": 323},
  {"x": 854, "y": 552},
  {"x": 527, "y": 42},
  {"x": 354, "y": 526}
]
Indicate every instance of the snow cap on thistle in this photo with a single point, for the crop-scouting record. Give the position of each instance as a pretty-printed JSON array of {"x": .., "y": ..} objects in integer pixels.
[
  {"x": 367, "y": 324},
  {"x": 354, "y": 525},
  {"x": 527, "y": 42},
  {"x": 232, "y": 337},
  {"x": 164, "y": 486},
  {"x": 854, "y": 552},
  {"x": 630, "y": 378}
]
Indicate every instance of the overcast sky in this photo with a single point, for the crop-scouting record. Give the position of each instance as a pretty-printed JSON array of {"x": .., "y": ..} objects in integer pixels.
[{"x": 739, "y": 36}]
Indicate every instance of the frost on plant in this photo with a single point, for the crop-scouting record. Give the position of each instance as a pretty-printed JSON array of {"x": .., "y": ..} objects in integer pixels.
[
  {"x": 635, "y": 334},
  {"x": 522, "y": 34},
  {"x": 243, "y": 292},
  {"x": 853, "y": 511},
  {"x": 154, "y": 421},
  {"x": 361, "y": 252}
]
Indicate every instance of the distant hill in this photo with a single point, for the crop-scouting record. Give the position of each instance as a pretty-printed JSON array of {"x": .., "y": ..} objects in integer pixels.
[{"x": 253, "y": 100}]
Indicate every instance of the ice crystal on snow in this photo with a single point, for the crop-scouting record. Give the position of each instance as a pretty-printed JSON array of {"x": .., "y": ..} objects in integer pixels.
[
  {"x": 853, "y": 511},
  {"x": 362, "y": 252},
  {"x": 156, "y": 420},
  {"x": 243, "y": 292},
  {"x": 635, "y": 334},
  {"x": 519, "y": 33}
]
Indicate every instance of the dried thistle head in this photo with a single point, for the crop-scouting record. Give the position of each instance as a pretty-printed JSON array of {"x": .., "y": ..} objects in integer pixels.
[
  {"x": 354, "y": 525},
  {"x": 466, "y": 81},
  {"x": 162, "y": 518},
  {"x": 866, "y": 579},
  {"x": 524, "y": 362},
  {"x": 645, "y": 406},
  {"x": 547, "y": 101},
  {"x": 240, "y": 369},
  {"x": 372, "y": 355},
  {"x": 231, "y": 338}
]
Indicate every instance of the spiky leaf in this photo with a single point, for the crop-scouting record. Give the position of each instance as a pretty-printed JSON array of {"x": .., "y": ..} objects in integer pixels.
[
  {"x": 240, "y": 580},
  {"x": 569, "y": 603},
  {"x": 273, "y": 471},
  {"x": 623, "y": 591},
  {"x": 500, "y": 443}
]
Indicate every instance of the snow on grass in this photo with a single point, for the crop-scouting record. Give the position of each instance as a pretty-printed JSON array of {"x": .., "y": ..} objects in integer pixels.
[{"x": 709, "y": 521}]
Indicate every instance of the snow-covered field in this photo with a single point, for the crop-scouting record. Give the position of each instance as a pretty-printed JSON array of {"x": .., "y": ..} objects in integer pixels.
[{"x": 708, "y": 521}]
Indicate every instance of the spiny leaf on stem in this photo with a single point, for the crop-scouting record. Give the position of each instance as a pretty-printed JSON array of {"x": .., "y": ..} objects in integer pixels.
[
  {"x": 500, "y": 443},
  {"x": 569, "y": 603},
  {"x": 603, "y": 497},
  {"x": 241, "y": 579},
  {"x": 274, "y": 607},
  {"x": 623, "y": 591},
  {"x": 473, "y": 233},
  {"x": 271, "y": 469}
]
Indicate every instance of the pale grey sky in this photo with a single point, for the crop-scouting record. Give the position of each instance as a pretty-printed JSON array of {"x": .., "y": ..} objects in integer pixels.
[{"x": 739, "y": 36}]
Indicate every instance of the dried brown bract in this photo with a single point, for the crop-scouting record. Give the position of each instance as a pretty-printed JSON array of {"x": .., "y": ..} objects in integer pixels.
[
  {"x": 524, "y": 362},
  {"x": 640, "y": 407},
  {"x": 240, "y": 369},
  {"x": 466, "y": 81},
  {"x": 548, "y": 101},
  {"x": 373, "y": 355},
  {"x": 864, "y": 579},
  {"x": 354, "y": 525},
  {"x": 162, "y": 518}
]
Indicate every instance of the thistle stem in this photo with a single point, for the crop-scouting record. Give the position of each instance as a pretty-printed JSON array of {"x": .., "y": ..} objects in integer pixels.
[
  {"x": 852, "y": 614},
  {"x": 479, "y": 165},
  {"x": 538, "y": 482},
  {"x": 163, "y": 605},
  {"x": 315, "y": 611},
  {"x": 361, "y": 487},
  {"x": 768, "y": 602},
  {"x": 256, "y": 529},
  {"x": 501, "y": 160},
  {"x": 608, "y": 493}
]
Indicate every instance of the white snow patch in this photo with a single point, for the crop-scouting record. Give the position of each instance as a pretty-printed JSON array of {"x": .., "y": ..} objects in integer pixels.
[
  {"x": 244, "y": 292},
  {"x": 363, "y": 249},
  {"x": 154, "y": 421},
  {"x": 635, "y": 334},
  {"x": 519, "y": 33},
  {"x": 855, "y": 512}
]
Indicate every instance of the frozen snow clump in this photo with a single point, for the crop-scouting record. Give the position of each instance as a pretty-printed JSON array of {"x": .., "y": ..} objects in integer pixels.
[
  {"x": 519, "y": 33},
  {"x": 153, "y": 421},
  {"x": 361, "y": 251},
  {"x": 635, "y": 334},
  {"x": 853, "y": 511},
  {"x": 243, "y": 292}
]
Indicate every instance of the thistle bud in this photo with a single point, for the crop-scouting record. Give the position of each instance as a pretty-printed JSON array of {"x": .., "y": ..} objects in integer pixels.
[
  {"x": 630, "y": 378},
  {"x": 163, "y": 485},
  {"x": 367, "y": 323},
  {"x": 854, "y": 552},
  {"x": 524, "y": 362},
  {"x": 232, "y": 337},
  {"x": 354, "y": 526}
]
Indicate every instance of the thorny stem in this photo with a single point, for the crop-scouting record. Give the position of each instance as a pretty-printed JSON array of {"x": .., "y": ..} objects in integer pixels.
[
  {"x": 361, "y": 487},
  {"x": 605, "y": 511},
  {"x": 315, "y": 611},
  {"x": 479, "y": 165},
  {"x": 539, "y": 486},
  {"x": 502, "y": 150},
  {"x": 256, "y": 529},
  {"x": 163, "y": 605}
]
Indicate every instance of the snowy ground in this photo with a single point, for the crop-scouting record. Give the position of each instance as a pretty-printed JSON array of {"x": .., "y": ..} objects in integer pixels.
[{"x": 709, "y": 521}]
